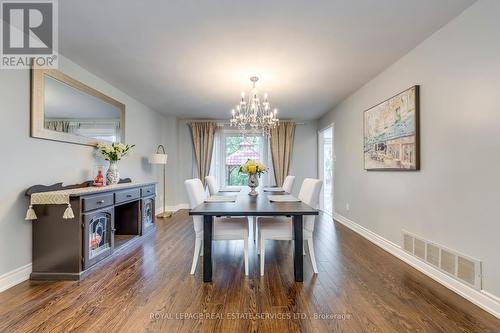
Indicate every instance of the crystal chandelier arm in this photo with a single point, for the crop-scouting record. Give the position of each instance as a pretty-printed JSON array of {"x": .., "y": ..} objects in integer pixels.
[{"x": 254, "y": 113}]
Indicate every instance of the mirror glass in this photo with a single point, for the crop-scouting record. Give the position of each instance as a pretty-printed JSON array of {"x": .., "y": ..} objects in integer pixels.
[{"x": 72, "y": 111}]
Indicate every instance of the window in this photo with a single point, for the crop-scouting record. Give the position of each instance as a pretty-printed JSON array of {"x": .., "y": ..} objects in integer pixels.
[
  {"x": 100, "y": 131},
  {"x": 326, "y": 165},
  {"x": 238, "y": 150},
  {"x": 231, "y": 150}
]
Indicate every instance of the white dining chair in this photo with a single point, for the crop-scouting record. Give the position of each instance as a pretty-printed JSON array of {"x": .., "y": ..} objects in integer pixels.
[
  {"x": 287, "y": 187},
  {"x": 282, "y": 228},
  {"x": 233, "y": 228},
  {"x": 288, "y": 184},
  {"x": 213, "y": 187}
]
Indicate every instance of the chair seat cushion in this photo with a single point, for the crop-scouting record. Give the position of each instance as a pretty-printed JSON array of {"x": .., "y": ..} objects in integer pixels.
[
  {"x": 230, "y": 226},
  {"x": 278, "y": 227}
]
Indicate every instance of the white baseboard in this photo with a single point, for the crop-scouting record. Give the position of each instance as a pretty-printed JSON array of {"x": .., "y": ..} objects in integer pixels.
[
  {"x": 481, "y": 298},
  {"x": 172, "y": 209},
  {"x": 14, "y": 277}
]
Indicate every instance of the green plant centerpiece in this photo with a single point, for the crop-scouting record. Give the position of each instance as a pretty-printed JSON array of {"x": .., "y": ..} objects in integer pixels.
[
  {"x": 113, "y": 153},
  {"x": 254, "y": 169}
]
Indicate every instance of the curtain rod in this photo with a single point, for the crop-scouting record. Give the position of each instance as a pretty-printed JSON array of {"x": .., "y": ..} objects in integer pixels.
[{"x": 225, "y": 122}]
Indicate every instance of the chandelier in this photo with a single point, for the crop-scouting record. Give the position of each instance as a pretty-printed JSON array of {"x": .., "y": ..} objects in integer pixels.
[{"x": 253, "y": 114}]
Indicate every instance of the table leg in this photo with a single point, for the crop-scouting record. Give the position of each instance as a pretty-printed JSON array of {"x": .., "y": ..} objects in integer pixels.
[
  {"x": 254, "y": 224},
  {"x": 298, "y": 258},
  {"x": 207, "y": 248}
]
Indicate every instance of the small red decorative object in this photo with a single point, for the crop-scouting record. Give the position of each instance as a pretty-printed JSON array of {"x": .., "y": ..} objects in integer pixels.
[{"x": 99, "y": 179}]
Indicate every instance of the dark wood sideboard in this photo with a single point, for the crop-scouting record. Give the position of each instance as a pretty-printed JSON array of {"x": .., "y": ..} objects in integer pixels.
[{"x": 105, "y": 222}]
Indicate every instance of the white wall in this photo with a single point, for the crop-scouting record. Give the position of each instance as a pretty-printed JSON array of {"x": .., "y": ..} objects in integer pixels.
[
  {"x": 454, "y": 199},
  {"x": 169, "y": 138},
  {"x": 304, "y": 162},
  {"x": 187, "y": 161},
  {"x": 26, "y": 161}
]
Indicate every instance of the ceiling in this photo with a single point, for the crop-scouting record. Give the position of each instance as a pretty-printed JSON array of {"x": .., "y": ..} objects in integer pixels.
[{"x": 192, "y": 58}]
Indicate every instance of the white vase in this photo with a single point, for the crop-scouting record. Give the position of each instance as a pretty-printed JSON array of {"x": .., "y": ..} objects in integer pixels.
[
  {"x": 253, "y": 182},
  {"x": 112, "y": 175}
]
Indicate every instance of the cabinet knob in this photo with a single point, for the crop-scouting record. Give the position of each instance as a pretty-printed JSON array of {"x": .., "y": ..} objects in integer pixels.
[
  {"x": 129, "y": 195},
  {"x": 100, "y": 201}
]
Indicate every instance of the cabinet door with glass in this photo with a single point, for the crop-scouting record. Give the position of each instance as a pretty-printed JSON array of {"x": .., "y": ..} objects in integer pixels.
[
  {"x": 98, "y": 236},
  {"x": 148, "y": 214}
]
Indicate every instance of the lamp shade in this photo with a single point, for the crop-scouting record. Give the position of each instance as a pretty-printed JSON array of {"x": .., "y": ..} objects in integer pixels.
[{"x": 158, "y": 159}]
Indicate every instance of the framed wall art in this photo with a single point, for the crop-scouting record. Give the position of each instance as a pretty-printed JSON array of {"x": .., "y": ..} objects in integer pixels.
[{"x": 391, "y": 133}]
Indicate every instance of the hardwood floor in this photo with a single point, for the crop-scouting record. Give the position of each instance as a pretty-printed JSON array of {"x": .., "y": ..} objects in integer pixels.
[{"x": 147, "y": 288}]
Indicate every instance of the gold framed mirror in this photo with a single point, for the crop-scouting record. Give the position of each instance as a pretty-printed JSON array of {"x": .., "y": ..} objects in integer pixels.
[{"x": 64, "y": 109}]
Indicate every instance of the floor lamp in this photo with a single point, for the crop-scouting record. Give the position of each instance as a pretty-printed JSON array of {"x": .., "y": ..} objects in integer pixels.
[{"x": 160, "y": 157}]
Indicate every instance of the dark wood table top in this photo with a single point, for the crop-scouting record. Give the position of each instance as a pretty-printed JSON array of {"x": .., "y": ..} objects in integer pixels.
[{"x": 247, "y": 205}]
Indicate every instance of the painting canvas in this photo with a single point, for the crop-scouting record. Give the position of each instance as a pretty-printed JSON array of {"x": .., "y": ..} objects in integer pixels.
[{"x": 391, "y": 138}]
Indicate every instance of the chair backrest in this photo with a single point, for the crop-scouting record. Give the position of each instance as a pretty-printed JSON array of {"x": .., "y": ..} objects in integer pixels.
[
  {"x": 197, "y": 195},
  {"x": 309, "y": 194},
  {"x": 288, "y": 184},
  {"x": 213, "y": 187}
]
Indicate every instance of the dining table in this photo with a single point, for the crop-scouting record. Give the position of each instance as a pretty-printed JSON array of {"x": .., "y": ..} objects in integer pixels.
[{"x": 247, "y": 205}]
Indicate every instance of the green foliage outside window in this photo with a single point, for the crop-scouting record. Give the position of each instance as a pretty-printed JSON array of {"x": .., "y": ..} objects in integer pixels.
[{"x": 232, "y": 143}]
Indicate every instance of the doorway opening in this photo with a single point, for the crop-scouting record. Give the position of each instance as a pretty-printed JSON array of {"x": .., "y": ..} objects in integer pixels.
[{"x": 326, "y": 165}]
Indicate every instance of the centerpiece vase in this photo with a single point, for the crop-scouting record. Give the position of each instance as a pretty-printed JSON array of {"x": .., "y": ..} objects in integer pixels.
[
  {"x": 112, "y": 175},
  {"x": 253, "y": 182}
]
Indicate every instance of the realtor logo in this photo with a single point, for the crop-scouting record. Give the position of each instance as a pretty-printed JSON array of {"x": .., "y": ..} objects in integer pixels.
[{"x": 29, "y": 34}]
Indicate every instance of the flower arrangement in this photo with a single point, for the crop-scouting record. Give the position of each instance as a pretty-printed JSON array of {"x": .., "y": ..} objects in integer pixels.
[
  {"x": 115, "y": 152},
  {"x": 252, "y": 167}
]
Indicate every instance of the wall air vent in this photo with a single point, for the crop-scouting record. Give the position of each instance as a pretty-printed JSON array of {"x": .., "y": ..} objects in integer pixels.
[
  {"x": 466, "y": 270},
  {"x": 419, "y": 248},
  {"x": 461, "y": 267},
  {"x": 432, "y": 254},
  {"x": 448, "y": 260},
  {"x": 408, "y": 243}
]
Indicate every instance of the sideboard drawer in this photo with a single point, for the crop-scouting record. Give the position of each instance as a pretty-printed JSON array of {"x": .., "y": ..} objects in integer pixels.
[
  {"x": 147, "y": 191},
  {"x": 122, "y": 196},
  {"x": 97, "y": 201}
]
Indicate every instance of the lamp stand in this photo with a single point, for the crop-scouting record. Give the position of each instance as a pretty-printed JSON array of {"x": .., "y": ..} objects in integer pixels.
[{"x": 164, "y": 214}]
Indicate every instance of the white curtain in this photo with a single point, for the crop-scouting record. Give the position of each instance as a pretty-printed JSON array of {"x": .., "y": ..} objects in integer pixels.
[{"x": 217, "y": 164}]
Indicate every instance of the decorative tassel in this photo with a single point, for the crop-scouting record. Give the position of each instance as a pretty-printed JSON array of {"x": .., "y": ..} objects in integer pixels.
[
  {"x": 68, "y": 213},
  {"x": 30, "y": 214}
]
